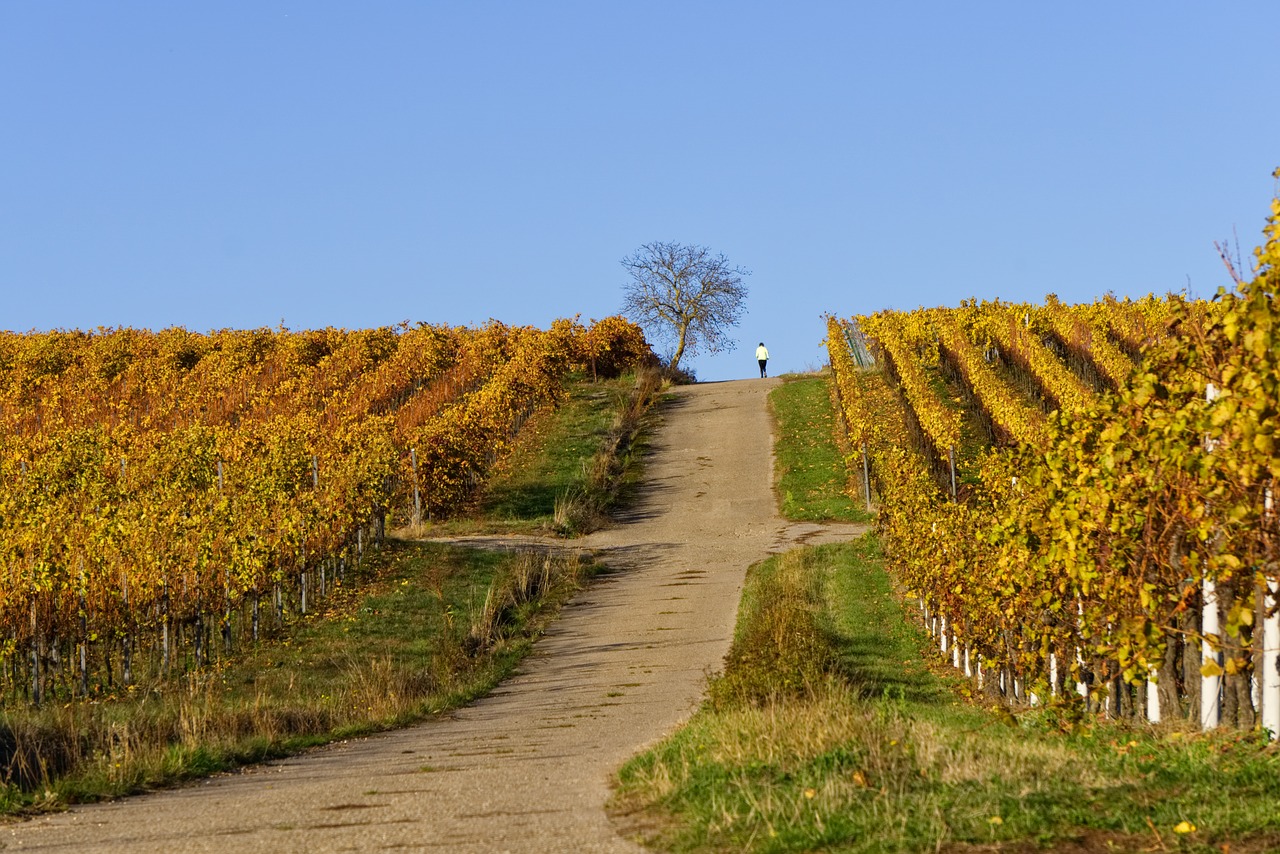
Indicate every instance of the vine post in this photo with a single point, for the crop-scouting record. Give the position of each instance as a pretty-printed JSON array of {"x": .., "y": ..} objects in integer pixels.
[
  {"x": 1271, "y": 662},
  {"x": 417, "y": 494},
  {"x": 866, "y": 475},
  {"x": 1270, "y": 678},
  {"x": 951, "y": 454},
  {"x": 1153, "y": 701},
  {"x": 1210, "y": 628},
  {"x": 1210, "y": 658}
]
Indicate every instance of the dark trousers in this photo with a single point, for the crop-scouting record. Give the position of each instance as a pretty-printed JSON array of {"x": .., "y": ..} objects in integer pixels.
[{"x": 762, "y": 364}]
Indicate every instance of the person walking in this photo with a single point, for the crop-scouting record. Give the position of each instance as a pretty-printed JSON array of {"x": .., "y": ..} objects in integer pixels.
[{"x": 762, "y": 356}]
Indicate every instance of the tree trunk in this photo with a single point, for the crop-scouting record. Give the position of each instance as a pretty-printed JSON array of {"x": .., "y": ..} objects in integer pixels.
[{"x": 676, "y": 356}]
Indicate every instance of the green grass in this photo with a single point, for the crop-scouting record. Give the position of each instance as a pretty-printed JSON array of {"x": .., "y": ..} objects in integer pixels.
[
  {"x": 811, "y": 485},
  {"x": 885, "y": 755},
  {"x": 549, "y": 458},
  {"x": 587, "y": 449}
]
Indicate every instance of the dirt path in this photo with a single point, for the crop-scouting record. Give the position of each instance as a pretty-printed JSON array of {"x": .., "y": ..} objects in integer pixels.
[{"x": 527, "y": 768}]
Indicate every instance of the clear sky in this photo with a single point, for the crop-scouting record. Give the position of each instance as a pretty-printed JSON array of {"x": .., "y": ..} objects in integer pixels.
[{"x": 244, "y": 164}]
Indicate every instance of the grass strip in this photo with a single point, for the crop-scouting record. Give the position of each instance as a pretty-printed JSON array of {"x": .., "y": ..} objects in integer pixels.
[
  {"x": 550, "y": 455},
  {"x": 569, "y": 465},
  {"x": 884, "y": 755},
  {"x": 811, "y": 481}
]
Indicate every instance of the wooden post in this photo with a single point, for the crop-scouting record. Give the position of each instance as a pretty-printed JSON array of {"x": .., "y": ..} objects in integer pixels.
[
  {"x": 166, "y": 659},
  {"x": 200, "y": 649},
  {"x": 36, "y": 684},
  {"x": 226, "y": 590},
  {"x": 84, "y": 635},
  {"x": 126, "y": 658},
  {"x": 952, "y": 454},
  {"x": 84, "y": 669},
  {"x": 417, "y": 495}
]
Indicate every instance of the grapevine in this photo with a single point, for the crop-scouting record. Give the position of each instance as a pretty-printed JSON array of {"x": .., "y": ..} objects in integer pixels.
[{"x": 1078, "y": 564}]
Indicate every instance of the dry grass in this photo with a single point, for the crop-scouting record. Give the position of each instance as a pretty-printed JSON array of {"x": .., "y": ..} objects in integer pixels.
[{"x": 523, "y": 585}]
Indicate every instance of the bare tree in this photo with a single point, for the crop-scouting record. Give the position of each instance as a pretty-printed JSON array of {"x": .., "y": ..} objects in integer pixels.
[{"x": 686, "y": 295}]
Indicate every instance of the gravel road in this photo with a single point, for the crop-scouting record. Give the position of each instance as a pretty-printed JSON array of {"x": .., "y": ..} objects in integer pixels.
[{"x": 526, "y": 769}]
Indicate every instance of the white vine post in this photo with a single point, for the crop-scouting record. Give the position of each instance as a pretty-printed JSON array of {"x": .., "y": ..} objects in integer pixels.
[
  {"x": 1082, "y": 688},
  {"x": 1210, "y": 629},
  {"x": 1210, "y": 658},
  {"x": 1271, "y": 665},
  {"x": 1270, "y": 643}
]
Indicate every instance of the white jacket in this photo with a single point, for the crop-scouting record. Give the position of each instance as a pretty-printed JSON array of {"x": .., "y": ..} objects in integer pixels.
[{"x": 762, "y": 354}]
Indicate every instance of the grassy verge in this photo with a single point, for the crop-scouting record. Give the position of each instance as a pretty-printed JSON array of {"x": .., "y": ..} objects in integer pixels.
[
  {"x": 810, "y": 470},
  {"x": 569, "y": 465},
  {"x": 420, "y": 629},
  {"x": 879, "y": 753}
]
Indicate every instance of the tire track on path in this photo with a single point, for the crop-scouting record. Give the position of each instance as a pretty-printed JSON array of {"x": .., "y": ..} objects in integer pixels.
[{"x": 527, "y": 768}]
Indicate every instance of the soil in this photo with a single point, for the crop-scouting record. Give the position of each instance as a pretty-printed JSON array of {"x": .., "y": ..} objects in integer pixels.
[{"x": 527, "y": 768}]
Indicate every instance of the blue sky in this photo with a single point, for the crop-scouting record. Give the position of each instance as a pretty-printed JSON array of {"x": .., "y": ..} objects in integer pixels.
[{"x": 243, "y": 164}]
